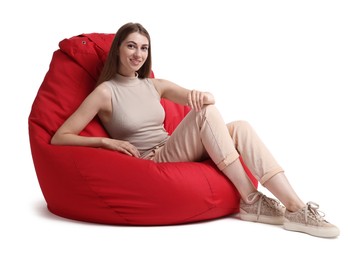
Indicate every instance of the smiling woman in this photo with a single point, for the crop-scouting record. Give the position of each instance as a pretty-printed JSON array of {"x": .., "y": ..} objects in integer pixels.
[{"x": 133, "y": 52}]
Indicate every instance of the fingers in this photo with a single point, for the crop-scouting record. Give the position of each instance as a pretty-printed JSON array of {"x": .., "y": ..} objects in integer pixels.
[
  {"x": 130, "y": 150},
  {"x": 123, "y": 147},
  {"x": 196, "y": 99},
  {"x": 135, "y": 152}
]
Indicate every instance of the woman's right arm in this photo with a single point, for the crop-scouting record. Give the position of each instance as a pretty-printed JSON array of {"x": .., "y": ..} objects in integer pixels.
[{"x": 97, "y": 101}]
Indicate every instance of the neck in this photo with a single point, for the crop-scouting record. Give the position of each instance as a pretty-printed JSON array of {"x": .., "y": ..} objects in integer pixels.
[{"x": 129, "y": 76}]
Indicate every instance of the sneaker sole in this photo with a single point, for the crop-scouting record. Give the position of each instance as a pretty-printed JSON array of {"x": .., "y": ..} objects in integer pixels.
[
  {"x": 262, "y": 219},
  {"x": 327, "y": 232}
]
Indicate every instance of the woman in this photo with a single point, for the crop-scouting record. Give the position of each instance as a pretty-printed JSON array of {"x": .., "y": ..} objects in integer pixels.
[{"x": 128, "y": 104}]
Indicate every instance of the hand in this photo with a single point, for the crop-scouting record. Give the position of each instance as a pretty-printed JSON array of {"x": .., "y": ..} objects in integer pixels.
[
  {"x": 120, "y": 146},
  {"x": 196, "y": 99}
]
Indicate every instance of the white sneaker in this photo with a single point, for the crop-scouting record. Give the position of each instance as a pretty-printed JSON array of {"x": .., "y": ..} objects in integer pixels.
[{"x": 309, "y": 220}]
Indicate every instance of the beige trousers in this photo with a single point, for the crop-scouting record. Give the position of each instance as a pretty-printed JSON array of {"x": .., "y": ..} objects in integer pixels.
[{"x": 202, "y": 135}]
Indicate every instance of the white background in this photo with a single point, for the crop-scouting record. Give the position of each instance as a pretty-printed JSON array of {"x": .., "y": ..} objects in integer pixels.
[{"x": 293, "y": 69}]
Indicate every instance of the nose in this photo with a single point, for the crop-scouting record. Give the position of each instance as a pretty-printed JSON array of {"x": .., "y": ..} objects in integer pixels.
[{"x": 137, "y": 52}]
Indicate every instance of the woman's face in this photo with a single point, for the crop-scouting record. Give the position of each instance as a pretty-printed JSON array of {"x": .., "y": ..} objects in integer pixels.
[{"x": 133, "y": 52}]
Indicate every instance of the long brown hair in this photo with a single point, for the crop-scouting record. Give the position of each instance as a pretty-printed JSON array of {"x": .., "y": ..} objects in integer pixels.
[{"x": 112, "y": 61}]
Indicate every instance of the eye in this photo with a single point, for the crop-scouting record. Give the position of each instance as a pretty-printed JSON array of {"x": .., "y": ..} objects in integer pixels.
[
  {"x": 145, "y": 48},
  {"x": 131, "y": 46}
]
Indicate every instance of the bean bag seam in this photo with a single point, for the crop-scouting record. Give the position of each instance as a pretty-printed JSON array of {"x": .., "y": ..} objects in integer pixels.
[{"x": 212, "y": 196}]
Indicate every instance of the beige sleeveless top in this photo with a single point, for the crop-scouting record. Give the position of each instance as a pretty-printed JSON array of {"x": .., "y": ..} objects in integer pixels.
[{"x": 137, "y": 114}]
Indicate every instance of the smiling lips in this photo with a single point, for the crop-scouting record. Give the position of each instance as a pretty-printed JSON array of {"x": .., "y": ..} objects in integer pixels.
[{"x": 135, "y": 62}]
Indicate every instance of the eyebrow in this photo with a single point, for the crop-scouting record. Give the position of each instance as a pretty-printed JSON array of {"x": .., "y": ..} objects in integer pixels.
[{"x": 133, "y": 42}]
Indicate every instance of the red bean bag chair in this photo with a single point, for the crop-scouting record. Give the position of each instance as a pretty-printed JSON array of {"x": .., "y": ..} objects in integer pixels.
[{"x": 102, "y": 186}]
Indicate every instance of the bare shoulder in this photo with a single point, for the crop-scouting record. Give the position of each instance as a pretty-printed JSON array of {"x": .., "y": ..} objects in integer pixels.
[
  {"x": 102, "y": 91},
  {"x": 99, "y": 98},
  {"x": 104, "y": 101},
  {"x": 161, "y": 81},
  {"x": 156, "y": 82},
  {"x": 162, "y": 84}
]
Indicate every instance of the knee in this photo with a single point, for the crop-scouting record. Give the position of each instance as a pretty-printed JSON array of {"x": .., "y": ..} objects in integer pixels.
[
  {"x": 210, "y": 110},
  {"x": 240, "y": 126}
]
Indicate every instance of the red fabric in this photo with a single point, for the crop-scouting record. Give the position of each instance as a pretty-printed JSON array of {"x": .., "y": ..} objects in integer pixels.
[{"x": 102, "y": 186}]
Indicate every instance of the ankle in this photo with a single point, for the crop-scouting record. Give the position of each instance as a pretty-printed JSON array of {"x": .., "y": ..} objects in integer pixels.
[{"x": 252, "y": 197}]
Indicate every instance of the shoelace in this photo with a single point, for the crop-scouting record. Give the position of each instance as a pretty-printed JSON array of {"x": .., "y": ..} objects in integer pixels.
[
  {"x": 272, "y": 202},
  {"x": 312, "y": 210}
]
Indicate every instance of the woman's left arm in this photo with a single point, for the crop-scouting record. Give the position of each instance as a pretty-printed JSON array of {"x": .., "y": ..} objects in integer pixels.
[{"x": 173, "y": 92}]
